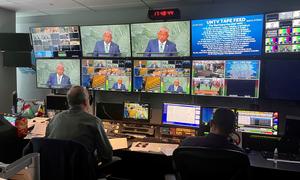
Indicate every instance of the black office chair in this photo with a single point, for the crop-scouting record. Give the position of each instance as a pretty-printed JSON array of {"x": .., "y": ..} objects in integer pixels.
[
  {"x": 60, "y": 159},
  {"x": 195, "y": 163}
]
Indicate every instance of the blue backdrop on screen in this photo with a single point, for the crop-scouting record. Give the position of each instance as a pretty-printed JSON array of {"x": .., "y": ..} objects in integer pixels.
[{"x": 231, "y": 36}]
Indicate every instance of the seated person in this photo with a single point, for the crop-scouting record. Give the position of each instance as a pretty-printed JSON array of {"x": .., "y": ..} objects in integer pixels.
[
  {"x": 222, "y": 125},
  {"x": 78, "y": 125},
  {"x": 119, "y": 85},
  {"x": 59, "y": 79},
  {"x": 175, "y": 87}
]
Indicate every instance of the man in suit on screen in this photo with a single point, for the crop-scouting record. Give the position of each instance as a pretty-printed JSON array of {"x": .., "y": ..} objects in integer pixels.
[
  {"x": 59, "y": 79},
  {"x": 175, "y": 87},
  {"x": 119, "y": 85},
  {"x": 161, "y": 46},
  {"x": 106, "y": 47}
]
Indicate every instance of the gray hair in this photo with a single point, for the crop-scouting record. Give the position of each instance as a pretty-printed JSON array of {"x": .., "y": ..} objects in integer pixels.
[
  {"x": 107, "y": 32},
  {"x": 164, "y": 29},
  {"x": 76, "y": 96}
]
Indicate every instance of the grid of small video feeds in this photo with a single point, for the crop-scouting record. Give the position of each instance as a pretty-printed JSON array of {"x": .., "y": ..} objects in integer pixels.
[
  {"x": 234, "y": 78},
  {"x": 283, "y": 32},
  {"x": 56, "y": 41},
  {"x": 107, "y": 75},
  {"x": 162, "y": 76}
]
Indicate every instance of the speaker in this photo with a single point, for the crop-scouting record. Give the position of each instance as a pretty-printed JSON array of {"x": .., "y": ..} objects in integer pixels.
[{"x": 17, "y": 59}]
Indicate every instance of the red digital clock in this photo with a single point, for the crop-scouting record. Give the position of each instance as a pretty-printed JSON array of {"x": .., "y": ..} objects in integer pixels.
[{"x": 164, "y": 14}]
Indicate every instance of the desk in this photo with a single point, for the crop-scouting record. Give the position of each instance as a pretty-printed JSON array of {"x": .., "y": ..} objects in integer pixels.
[
  {"x": 147, "y": 165},
  {"x": 258, "y": 161}
]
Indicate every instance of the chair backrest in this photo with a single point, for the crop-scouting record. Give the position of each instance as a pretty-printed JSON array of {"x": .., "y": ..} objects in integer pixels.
[
  {"x": 60, "y": 159},
  {"x": 193, "y": 163}
]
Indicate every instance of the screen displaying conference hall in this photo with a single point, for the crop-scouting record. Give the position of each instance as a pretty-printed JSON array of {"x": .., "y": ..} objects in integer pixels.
[{"x": 184, "y": 91}]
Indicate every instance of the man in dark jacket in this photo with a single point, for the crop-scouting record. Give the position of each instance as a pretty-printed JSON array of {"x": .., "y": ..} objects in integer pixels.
[
  {"x": 222, "y": 125},
  {"x": 78, "y": 125}
]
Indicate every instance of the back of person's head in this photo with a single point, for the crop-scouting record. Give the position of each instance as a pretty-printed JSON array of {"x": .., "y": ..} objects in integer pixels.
[
  {"x": 77, "y": 96},
  {"x": 224, "y": 120}
]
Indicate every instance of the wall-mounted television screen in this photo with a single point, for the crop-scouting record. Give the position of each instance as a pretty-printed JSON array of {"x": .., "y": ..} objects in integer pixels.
[
  {"x": 57, "y": 73},
  {"x": 162, "y": 39},
  {"x": 282, "y": 32},
  {"x": 54, "y": 42},
  {"x": 234, "y": 78},
  {"x": 162, "y": 76},
  {"x": 107, "y": 75},
  {"x": 106, "y": 41},
  {"x": 230, "y": 36}
]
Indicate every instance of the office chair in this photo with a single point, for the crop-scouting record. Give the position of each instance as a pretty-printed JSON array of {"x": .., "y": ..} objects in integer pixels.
[
  {"x": 193, "y": 163},
  {"x": 61, "y": 159}
]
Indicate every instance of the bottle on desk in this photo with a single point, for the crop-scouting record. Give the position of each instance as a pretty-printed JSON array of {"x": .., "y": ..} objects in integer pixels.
[{"x": 275, "y": 157}]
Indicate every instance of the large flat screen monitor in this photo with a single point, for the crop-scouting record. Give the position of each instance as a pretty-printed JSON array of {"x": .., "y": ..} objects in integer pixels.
[
  {"x": 106, "y": 41},
  {"x": 230, "y": 36},
  {"x": 282, "y": 32},
  {"x": 162, "y": 39},
  {"x": 107, "y": 75},
  {"x": 63, "y": 41},
  {"x": 57, "y": 73},
  {"x": 162, "y": 76},
  {"x": 181, "y": 115},
  {"x": 232, "y": 78},
  {"x": 258, "y": 122},
  {"x": 136, "y": 111},
  {"x": 280, "y": 80}
]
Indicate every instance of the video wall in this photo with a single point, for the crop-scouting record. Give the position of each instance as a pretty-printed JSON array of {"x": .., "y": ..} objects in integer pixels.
[{"x": 219, "y": 57}]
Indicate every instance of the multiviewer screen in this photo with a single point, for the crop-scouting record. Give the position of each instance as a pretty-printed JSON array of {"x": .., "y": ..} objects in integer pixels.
[
  {"x": 258, "y": 122},
  {"x": 181, "y": 115}
]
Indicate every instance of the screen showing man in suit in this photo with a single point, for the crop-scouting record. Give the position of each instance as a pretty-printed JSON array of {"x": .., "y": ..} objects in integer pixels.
[
  {"x": 106, "y": 75},
  {"x": 161, "y": 46},
  {"x": 171, "y": 76},
  {"x": 106, "y": 41},
  {"x": 58, "y": 74},
  {"x": 175, "y": 87},
  {"x": 119, "y": 83},
  {"x": 106, "y": 47},
  {"x": 163, "y": 39}
]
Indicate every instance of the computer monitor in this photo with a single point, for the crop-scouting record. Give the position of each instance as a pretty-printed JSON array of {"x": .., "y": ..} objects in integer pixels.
[
  {"x": 258, "y": 122},
  {"x": 136, "y": 111},
  {"x": 57, "y": 102},
  {"x": 106, "y": 41},
  {"x": 110, "y": 111},
  {"x": 162, "y": 76},
  {"x": 292, "y": 125},
  {"x": 174, "y": 37},
  {"x": 59, "y": 41},
  {"x": 282, "y": 32},
  {"x": 57, "y": 73},
  {"x": 228, "y": 36},
  {"x": 231, "y": 78},
  {"x": 181, "y": 115},
  {"x": 107, "y": 75}
]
